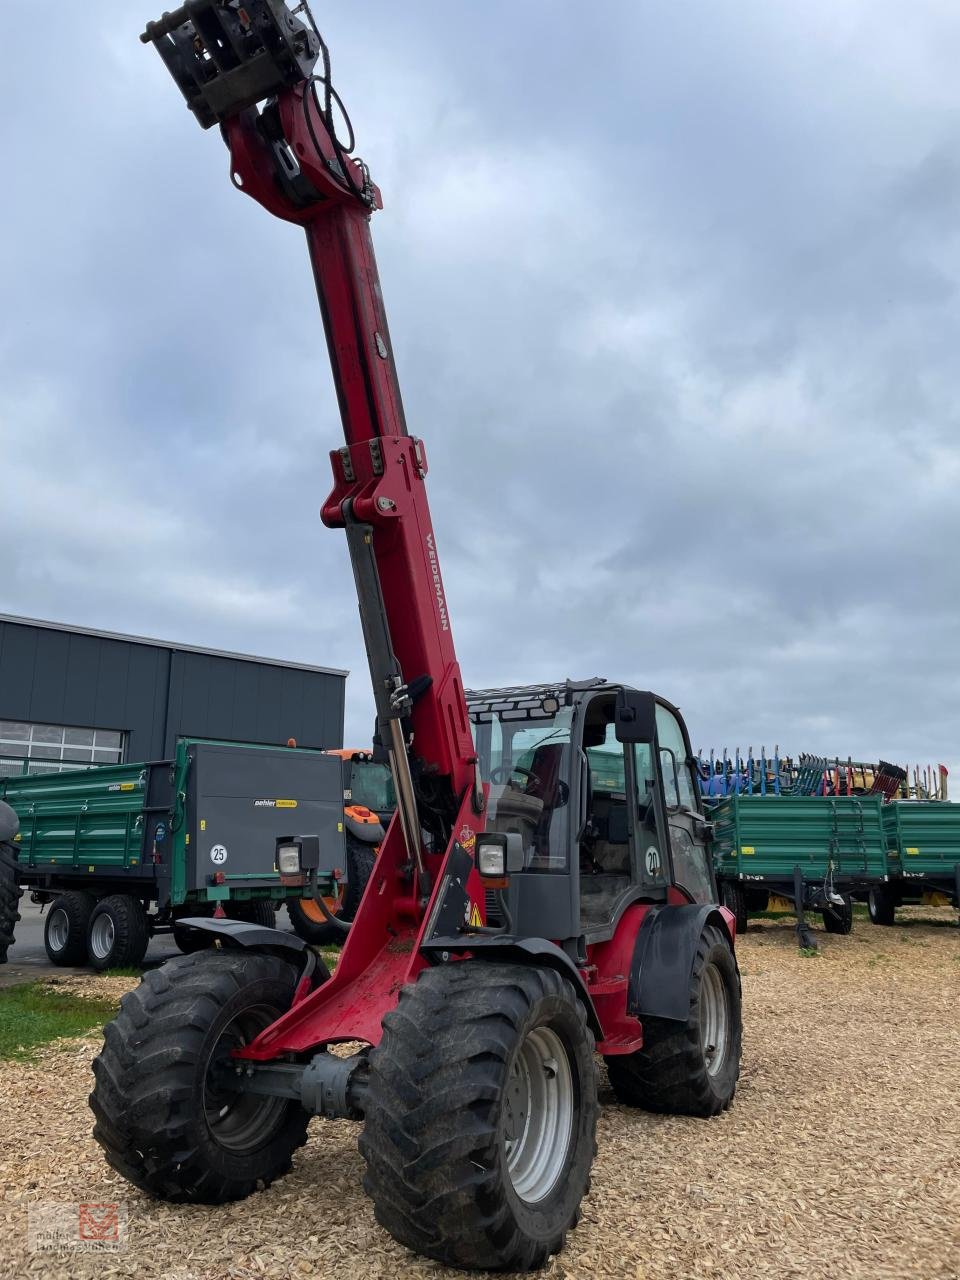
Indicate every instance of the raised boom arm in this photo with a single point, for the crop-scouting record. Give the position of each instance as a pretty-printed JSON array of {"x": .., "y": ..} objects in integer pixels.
[{"x": 227, "y": 56}]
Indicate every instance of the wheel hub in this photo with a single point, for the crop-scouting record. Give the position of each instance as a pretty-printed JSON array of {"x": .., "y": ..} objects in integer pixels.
[
  {"x": 538, "y": 1114},
  {"x": 58, "y": 929},
  {"x": 714, "y": 1019},
  {"x": 239, "y": 1122},
  {"x": 102, "y": 935}
]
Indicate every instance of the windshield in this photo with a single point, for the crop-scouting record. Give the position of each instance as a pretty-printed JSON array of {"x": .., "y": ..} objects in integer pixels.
[
  {"x": 527, "y": 765},
  {"x": 371, "y": 785}
]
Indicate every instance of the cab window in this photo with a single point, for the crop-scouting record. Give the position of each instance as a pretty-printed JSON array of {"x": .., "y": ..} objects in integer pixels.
[{"x": 678, "y": 790}]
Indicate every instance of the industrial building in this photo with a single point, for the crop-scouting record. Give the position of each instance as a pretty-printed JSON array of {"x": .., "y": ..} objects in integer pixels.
[{"x": 71, "y": 697}]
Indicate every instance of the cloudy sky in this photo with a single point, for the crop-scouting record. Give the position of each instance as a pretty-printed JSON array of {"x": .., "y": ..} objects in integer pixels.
[{"x": 673, "y": 290}]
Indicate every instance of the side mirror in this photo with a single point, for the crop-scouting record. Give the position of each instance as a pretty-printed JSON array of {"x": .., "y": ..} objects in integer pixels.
[{"x": 636, "y": 716}]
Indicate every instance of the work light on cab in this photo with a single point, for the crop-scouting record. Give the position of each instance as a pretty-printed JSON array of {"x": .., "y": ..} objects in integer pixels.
[{"x": 499, "y": 855}]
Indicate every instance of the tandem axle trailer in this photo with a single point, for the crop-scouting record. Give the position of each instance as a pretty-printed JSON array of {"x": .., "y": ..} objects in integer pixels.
[{"x": 122, "y": 852}]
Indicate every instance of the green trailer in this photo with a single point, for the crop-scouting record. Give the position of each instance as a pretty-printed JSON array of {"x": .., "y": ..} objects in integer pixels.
[
  {"x": 923, "y": 852},
  {"x": 818, "y": 851},
  {"x": 121, "y": 852}
]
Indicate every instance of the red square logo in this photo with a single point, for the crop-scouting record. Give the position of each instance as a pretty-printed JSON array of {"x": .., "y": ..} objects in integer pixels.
[{"x": 99, "y": 1222}]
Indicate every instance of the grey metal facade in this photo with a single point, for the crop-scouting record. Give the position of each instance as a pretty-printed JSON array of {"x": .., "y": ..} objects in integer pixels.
[{"x": 155, "y": 692}]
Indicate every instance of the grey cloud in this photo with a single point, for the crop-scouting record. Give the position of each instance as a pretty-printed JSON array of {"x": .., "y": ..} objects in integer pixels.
[{"x": 674, "y": 297}]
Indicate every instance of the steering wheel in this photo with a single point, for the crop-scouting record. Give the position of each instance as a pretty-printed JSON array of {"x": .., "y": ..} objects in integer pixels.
[{"x": 504, "y": 772}]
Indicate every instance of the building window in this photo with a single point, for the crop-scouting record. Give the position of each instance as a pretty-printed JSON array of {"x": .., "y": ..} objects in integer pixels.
[{"x": 51, "y": 748}]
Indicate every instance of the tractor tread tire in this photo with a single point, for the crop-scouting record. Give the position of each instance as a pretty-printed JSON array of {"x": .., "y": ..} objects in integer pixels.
[
  {"x": 10, "y": 893},
  {"x": 147, "y": 1100},
  {"x": 131, "y": 932},
  {"x": 838, "y": 920},
  {"x": 435, "y": 1168},
  {"x": 669, "y": 1074},
  {"x": 78, "y": 907},
  {"x": 361, "y": 859}
]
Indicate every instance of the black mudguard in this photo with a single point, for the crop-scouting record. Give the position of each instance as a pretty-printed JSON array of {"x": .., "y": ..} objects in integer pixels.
[
  {"x": 663, "y": 960},
  {"x": 9, "y": 823},
  {"x": 508, "y": 949},
  {"x": 241, "y": 933}
]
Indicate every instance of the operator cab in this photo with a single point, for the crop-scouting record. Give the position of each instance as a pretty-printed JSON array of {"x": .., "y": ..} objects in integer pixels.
[{"x": 598, "y": 781}]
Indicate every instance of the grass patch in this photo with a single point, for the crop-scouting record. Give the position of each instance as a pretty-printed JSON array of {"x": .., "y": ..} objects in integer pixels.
[
  {"x": 810, "y": 953},
  {"x": 130, "y": 972},
  {"x": 32, "y": 1014}
]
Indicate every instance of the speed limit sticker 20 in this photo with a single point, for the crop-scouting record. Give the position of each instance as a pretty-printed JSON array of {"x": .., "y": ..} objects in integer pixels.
[{"x": 218, "y": 855}]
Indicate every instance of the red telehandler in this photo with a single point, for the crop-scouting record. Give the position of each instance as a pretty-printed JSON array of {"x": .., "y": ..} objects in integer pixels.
[{"x": 543, "y": 891}]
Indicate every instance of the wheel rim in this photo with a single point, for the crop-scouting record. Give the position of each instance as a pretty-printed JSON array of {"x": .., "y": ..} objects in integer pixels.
[
  {"x": 102, "y": 936},
  {"x": 58, "y": 929},
  {"x": 240, "y": 1122},
  {"x": 714, "y": 1018},
  {"x": 538, "y": 1110}
]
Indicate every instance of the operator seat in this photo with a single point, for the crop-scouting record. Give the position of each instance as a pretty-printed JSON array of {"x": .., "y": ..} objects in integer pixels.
[{"x": 529, "y": 810}]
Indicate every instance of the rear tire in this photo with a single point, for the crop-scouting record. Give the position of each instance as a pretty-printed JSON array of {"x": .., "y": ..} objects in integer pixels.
[
  {"x": 66, "y": 927},
  {"x": 10, "y": 892},
  {"x": 262, "y": 912},
  {"x": 118, "y": 933},
  {"x": 689, "y": 1068},
  {"x": 306, "y": 917},
  {"x": 839, "y": 919},
  {"x": 481, "y": 1115},
  {"x": 161, "y": 1119},
  {"x": 734, "y": 899},
  {"x": 882, "y": 905}
]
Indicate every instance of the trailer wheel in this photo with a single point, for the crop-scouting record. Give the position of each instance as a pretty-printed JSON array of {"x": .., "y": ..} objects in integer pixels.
[
  {"x": 163, "y": 1118},
  {"x": 118, "y": 934},
  {"x": 190, "y": 940},
  {"x": 262, "y": 912},
  {"x": 734, "y": 899},
  {"x": 65, "y": 930},
  {"x": 306, "y": 917},
  {"x": 882, "y": 905},
  {"x": 689, "y": 1068},
  {"x": 10, "y": 893},
  {"x": 756, "y": 899},
  {"x": 839, "y": 919},
  {"x": 481, "y": 1115}
]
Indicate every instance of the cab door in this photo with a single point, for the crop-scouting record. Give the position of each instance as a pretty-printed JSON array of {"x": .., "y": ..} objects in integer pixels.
[{"x": 687, "y": 828}]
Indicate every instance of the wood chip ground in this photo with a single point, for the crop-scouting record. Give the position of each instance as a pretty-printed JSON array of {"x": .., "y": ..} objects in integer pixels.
[{"x": 840, "y": 1157}]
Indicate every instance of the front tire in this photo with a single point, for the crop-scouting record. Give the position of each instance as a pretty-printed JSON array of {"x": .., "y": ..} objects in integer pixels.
[
  {"x": 66, "y": 926},
  {"x": 162, "y": 1119},
  {"x": 481, "y": 1115},
  {"x": 10, "y": 892},
  {"x": 118, "y": 933},
  {"x": 882, "y": 905},
  {"x": 689, "y": 1068}
]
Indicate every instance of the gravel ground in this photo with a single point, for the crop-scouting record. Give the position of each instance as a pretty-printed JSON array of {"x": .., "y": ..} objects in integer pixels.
[{"x": 838, "y": 1159}]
